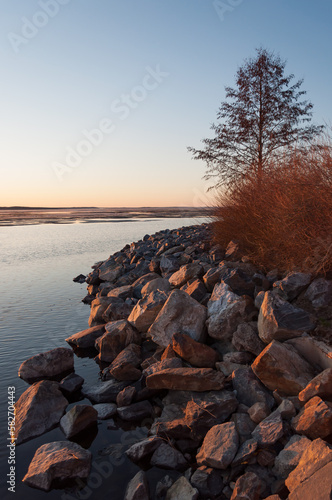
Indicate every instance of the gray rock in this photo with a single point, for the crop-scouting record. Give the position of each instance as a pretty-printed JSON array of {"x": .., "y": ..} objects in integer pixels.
[
  {"x": 244, "y": 425},
  {"x": 168, "y": 457},
  {"x": 249, "y": 390},
  {"x": 57, "y": 460},
  {"x": 259, "y": 299},
  {"x": 162, "y": 487},
  {"x": 212, "y": 277},
  {"x": 292, "y": 285},
  {"x": 126, "y": 396},
  {"x": 38, "y": 410},
  {"x": 121, "y": 292},
  {"x": 185, "y": 273},
  {"x": 196, "y": 290},
  {"x": 169, "y": 264},
  {"x": 207, "y": 481},
  {"x": 182, "y": 490},
  {"x": 246, "y": 339},
  {"x": 48, "y": 364},
  {"x": 146, "y": 310},
  {"x": 160, "y": 284},
  {"x": 219, "y": 446},
  {"x": 135, "y": 411},
  {"x": 163, "y": 365},
  {"x": 125, "y": 365},
  {"x": 245, "y": 452},
  {"x": 138, "y": 488},
  {"x": 86, "y": 338},
  {"x": 104, "y": 392},
  {"x": 319, "y": 293},
  {"x": 105, "y": 410},
  {"x": 290, "y": 456},
  {"x": 77, "y": 419},
  {"x": 269, "y": 431},
  {"x": 258, "y": 411},
  {"x": 316, "y": 352},
  {"x": 71, "y": 383},
  {"x": 144, "y": 448}
]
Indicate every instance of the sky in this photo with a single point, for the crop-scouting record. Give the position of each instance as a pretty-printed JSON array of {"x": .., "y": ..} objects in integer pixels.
[{"x": 100, "y": 99}]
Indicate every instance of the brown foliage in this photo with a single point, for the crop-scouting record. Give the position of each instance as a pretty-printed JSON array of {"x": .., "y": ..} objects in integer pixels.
[{"x": 284, "y": 218}]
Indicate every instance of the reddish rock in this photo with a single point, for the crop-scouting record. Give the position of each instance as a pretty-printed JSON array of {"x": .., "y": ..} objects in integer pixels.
[
  {"x": 315, "y": 419},
  {"x": 126, "y": 396},
  {"x": 219, "y": 446},
  {"x": 77, "y": 419},
  {"x": 98, "y": 307},
  {"x": 319, "y": 386},
  {"x": 195, "y": 353},
  {"x": 125, "y": 366},
  {"x": 290, "y": 455},
  {"x": 146, "y": 310},
  {"x": 318, "y": 487},
  {"x": 163, "y": 365},
  {"x": 86, "y": 338},
  {"x": 248, "y": 486},
  {"x": 185, "y": 273},
  {"x": 186, "y": 379},
  {"x": 119, "y": 334},
  {"x": 195, "y": 289},
  {"x": 212, "y": 277},
  {"x": 168, "y": 353},
  {"x": 269, "y": 431},
  {"x": 48, "y": 364},
  {"x": 280, "y": 367}
]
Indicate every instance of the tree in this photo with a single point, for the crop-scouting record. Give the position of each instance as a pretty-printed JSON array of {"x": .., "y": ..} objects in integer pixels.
[{"x": 265, "y": 115}]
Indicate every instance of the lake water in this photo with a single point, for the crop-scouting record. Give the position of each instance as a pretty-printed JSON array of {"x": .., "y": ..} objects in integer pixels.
[{"x": 40, "y": 306}]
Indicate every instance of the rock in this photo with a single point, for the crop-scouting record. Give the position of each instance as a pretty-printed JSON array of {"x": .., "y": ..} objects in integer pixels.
[
  {"x": 245, "y": 452},
  {"x": 233, "y": 252},
  {"x": 225, "y": 312},
  {"x": 79, "y": 279},
  {"x": 138, "y": 488},
  {"x": 227, "y": 367},
  {"x": 144, "y": 448},
  {"x": 126, "y": 396},
  {"x": 319, "y": 386},
  {"x": 169, "y": 265},
  {"x": 196, "y": 290},
  {"x": 190, "y": 379},
  {"x": 163, "y": 365},
  {"x": 319, "y": 486},
  {"x": 207, "y": 481},
  {"x": 290, "y": 375},
  {"x": 160, "y": 284},
  {"x": 180, "y": 314},
  {"x": 162, "y": 487},
  {"x": 71, "y": 383},
  {"x": 57, "y": 461},
  {"x": 290, "y": 456},
  {"x": 98, "y": 307},
  {"x": 110, "y": 271},
  {"x": 79, "y": 418},
  {"x": 48, "y": 364},
  {"x": 136, "y": 411},
  {"x": 269, "y": 431},
  {"x": 182, "y": 490},
  {"x": 119, "y": 334},
  {"x": 185, "y": 273},
  {"x": 315, "y": 419},
  {"x": 246, "y": 338},
  {"x": 292, "y": 285},
  {"x": 248, "y": 486},
  {"x": 168, "y": 457},
  {"x": 146, "y": 310},
  {"x": 280, "y": 320},
  {"x": 319, "y": 293},
  {"x": 195, "y": 353},
  {"x": 219, "y": 446},
  {"x": 105, "y": 410},
  {"x": 259, "y": 299},
  {"x": 168, "y": 353},
  {"x": 38, "y": 410},
  {"x": 104, "y": 392},
  {"x": 258, "y": 412},
  {"x": 239, "y": 282},
  {"x": 317, "y": 353},
  {"x": 212, "y": 277},
  {"x": 244, "y": 426},
  {"x": 315, "y": 457},
  {"x": 86, "y": 338},
  {"x": 238, "y": 357},
  {"x": 121, "y": 292},
  {"x": 249, "y": 390},
  {"x": 117, "y": 310},
  {"x": 124, "y": 367}
]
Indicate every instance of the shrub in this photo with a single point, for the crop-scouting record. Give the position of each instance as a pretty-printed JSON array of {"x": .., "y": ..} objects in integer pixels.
[{"x": 284, "y": 219}]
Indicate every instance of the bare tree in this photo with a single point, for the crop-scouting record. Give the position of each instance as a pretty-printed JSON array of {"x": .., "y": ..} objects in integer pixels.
[{"x": 265, "y": 115}]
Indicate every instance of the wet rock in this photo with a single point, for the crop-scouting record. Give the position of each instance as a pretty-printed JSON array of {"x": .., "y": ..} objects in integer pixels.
[
  {"x": 79, "y": 418},
  {"x": 118, "y": 335},
  {"x": 146, "y": 310},
  {"x": 246, "y": 338},
  {"x": 104, "y": 392},
  {"x": 280, "y": 320},
  {"x": 190, "y": 379},
  {"x": 167, "y": 457},
  {"x": 79, "y": 279},
  {"x": 135, "y": 411},
  {"x": 180, "y": 314},
  {"x": 160, "y": 284},
  {"x": 48, "y": 364},
  {"x": 292, "y": 285},
  {"x": 71, "y": 383},
  {"x": 38, "y": 410},
  {"x": 290, "y": 456},
  {"x": 207, "y": 481},
  {"x": 258, "y": 412},
  {"x": 197, "y": 354},
  {"x": 219, "y": 446},
  {"x": 105, "y": 410},
  {"x": 315, "y": 419},
  {"x": 182, "y": 490},
  {"x": 289, "y": 375},
  {"x": 124, "y": 367},
  {"x": 249, "y": 389},
  {"x": 225, "y": 311},
  {"x": 126, "y": 396},
  {"x": 185, "y": 273},
  {"x": 86, "y": 338},
  {"x": 56, "y": 461},
  {"x": 319, "y": 386},
  {"x": 138, "y": 488},
  {"x": 319, "y": 293},
  {"x": 144, "y": 448},
  {"x": 269, "y": 431},
  {"x": 248, "y": 486}
]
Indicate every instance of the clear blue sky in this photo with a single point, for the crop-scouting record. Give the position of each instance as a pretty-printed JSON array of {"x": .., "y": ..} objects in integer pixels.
[{"x": 150, "y": 75}]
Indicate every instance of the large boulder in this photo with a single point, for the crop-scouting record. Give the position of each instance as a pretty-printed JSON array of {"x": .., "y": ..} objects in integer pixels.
[
  {"x": 316, "y": 352},
  {"x": 185, "y": 273},
  {"x": 110, "y": 271},
  {"x": 104, "y": 392},
  {"x": 48, "y": 365},
  {"x": 246, "y": 338},
  {"x": 77, "y": 419},
  {"x": 160, "y": 284},
  {"x": 319, "y": 293},
  {"x": 190, "y": 379},
  {"x": 118, "y": 335},
  {"x": 38, "y": 410},
  {"x": 219, "y": 446},
  {"x": 290, "y": 456},
  {"x": 146, "y": 310},
  {"x": 280, "y": 320},
  {"x": 98, "y": 307},
  {"x": 318, "y": 486},
  {"x": 226, "y": 311},
  {"x": 180, "y": 314},
  {"x": 196, "y": 353},
  {"x": 125, "y": 366},
  {"x": 182, "y": 490},
  {"x": 280, "y": 367},
  {"x": 86, "y": 338},
  {"x": 292, "y": 285},
  {"x": 60, "y": 460},
  {"x": 315, "y": 419}
]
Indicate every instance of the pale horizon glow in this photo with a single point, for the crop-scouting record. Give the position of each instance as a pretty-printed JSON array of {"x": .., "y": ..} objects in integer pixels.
[{"x": 100, "y": 100}]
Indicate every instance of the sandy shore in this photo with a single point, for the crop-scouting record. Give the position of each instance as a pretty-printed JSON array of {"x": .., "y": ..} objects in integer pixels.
[{"x": 26, "y": 216}]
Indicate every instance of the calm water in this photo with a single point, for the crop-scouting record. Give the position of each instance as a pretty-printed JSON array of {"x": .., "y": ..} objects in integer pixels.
[{"x": 40, "y": 306}]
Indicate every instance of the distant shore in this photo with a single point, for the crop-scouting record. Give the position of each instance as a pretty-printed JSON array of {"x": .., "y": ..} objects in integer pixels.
[{"x": 17, "y": 216}]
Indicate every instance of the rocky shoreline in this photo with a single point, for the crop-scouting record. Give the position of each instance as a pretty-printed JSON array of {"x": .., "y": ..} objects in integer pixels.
[{"x": 232, "y": 367}]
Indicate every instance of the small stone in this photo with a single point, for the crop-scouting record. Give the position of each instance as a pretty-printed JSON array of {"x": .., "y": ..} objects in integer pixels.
[
  {"x": 269, "y": 431},
  {"x": 71, "y": 383},
  {"x": 248, "y": 486},
  {"x": 105, "y": 410},
  {"x": 258, "y": 412}
]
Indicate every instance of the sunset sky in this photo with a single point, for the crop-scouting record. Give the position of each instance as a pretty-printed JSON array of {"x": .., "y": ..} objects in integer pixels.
[{"x": 100, "y": 98}]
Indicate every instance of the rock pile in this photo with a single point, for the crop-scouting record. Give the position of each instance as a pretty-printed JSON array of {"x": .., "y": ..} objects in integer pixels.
[{"x": 226, "y": 362}]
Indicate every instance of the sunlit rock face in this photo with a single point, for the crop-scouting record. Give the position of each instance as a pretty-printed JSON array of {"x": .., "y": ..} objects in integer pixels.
[{"x": 47, "y": 365}]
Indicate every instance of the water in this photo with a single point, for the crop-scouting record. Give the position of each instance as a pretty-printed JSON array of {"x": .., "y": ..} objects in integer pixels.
[{"x": 40, "y": 306}]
